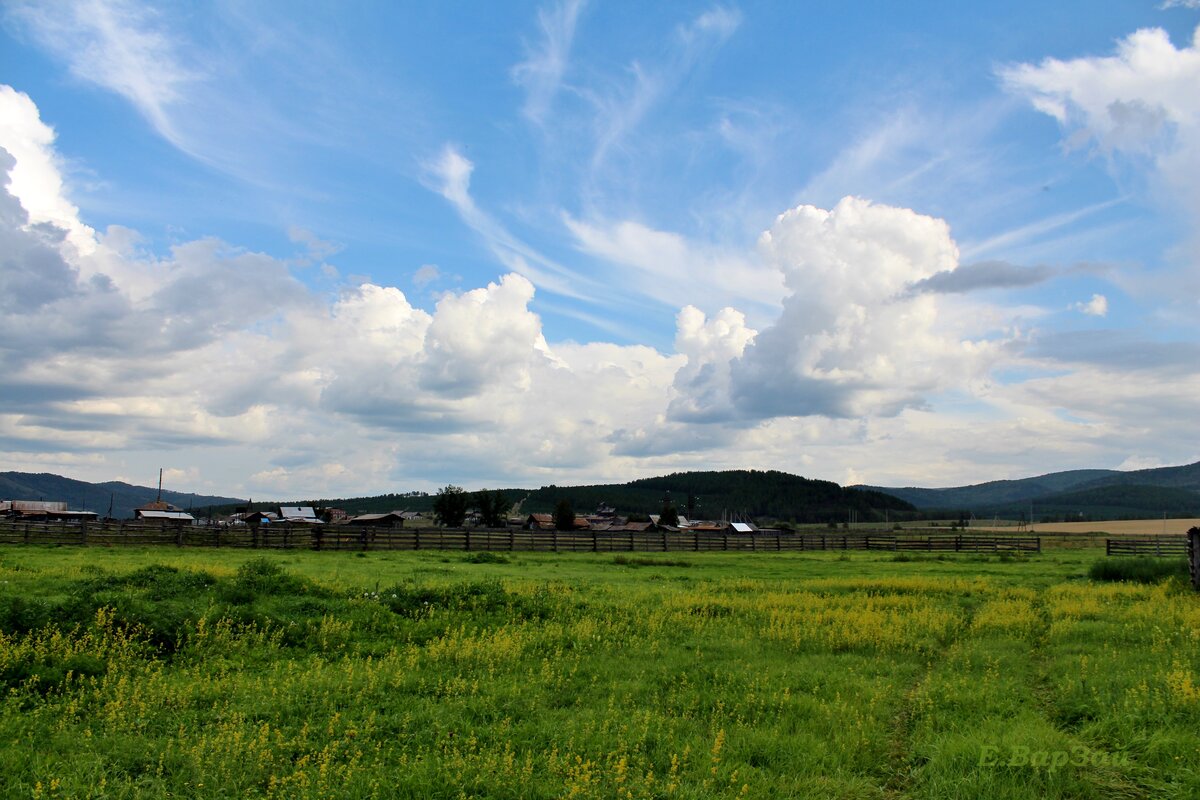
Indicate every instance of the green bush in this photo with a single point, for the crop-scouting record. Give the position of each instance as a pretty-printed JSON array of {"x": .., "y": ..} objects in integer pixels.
[
  {"x": 486, "y": 558},
  {"x": 1138, "y": 570}
]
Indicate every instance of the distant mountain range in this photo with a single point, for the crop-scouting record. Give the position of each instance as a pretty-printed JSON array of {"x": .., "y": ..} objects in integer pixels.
[
  {"x": 1087, "y": 493},
  {"x": 84, "y": 496},
  {"x": 1091, "y": 493}
]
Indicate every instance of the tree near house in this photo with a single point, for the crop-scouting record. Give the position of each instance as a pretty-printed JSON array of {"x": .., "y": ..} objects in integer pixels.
[
  {"x": 450, "y": 506},
  {"x": 669, "y": 515},
  {"x": 564, "y": 516},
  {"x": 493, "y": 507}
]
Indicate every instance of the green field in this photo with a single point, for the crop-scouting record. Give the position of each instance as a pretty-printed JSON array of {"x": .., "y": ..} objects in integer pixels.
[{"x": 221, "y": 674}]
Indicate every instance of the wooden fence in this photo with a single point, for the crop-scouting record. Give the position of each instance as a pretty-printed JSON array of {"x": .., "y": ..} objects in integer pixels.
[
  {"x": 347, "y": 537},
  {"x": 1156, "y": 546},
  {"x": 1193, "y": 539}
]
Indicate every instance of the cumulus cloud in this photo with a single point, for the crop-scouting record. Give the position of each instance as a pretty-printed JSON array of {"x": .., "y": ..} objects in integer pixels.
[
  {"x": 702, "y": 390},
  {"x": 851, "y": 341},
  {"x": 34, "y": 172},
  {"x": 483, "y": 338},
  {"x": 1140, "y": 103},
  {"x": 213, "y": 348},
  {"x": 109, "y": 352},
  {"x": 1096, "y": 307}
]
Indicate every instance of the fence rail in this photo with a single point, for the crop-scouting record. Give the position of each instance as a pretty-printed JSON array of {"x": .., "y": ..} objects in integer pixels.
[
  {"x": 345, "y": 537},
  {"x": 1156, "y": 546}
]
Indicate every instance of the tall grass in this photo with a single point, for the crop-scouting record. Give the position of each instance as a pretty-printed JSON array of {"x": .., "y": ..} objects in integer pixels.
[{"x": 402, "y": 675}]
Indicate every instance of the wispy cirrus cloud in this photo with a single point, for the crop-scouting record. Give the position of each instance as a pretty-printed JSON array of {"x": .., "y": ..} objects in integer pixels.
[
  {"x": 541, "y": 73},
  {"x": 120, "y": 46},
  {"x": 618, "y": 114},
  {"x": 449, "y": 174}
]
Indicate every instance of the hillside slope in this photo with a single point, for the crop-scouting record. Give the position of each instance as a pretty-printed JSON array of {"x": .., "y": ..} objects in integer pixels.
[
  {"x": 84, "y": 496},
  {"x": 1096, "y": 494}
]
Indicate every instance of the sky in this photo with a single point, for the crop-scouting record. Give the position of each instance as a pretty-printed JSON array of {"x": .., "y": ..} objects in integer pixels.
[{"x": 337, "y": 249}]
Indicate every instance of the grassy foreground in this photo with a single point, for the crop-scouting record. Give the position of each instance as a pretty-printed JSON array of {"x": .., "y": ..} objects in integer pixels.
[{"x": 215, "y": 674}]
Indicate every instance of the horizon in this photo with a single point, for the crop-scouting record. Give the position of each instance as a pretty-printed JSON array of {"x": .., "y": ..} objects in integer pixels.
[
  {"x": 355, "y": 249},
  {"x": 508, "y": 487}
]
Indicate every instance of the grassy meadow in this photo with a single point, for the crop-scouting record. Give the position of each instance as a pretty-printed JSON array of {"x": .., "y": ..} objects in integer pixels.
[{"x": 221, "y": 674}]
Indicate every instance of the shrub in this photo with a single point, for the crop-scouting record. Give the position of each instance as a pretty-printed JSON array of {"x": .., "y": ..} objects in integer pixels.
[
  {"x": 486, "y": 558},
  {"x": 18, "y": 615},
  {"x": 642, "y": 561},
  {"x": 162, "y": 582},
  {"x": 1138, "y": 570},
  {"x": 263, "y": 576}
]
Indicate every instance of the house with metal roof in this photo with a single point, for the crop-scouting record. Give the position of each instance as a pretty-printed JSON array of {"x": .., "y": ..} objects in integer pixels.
[{"x": 299, "y": 515}]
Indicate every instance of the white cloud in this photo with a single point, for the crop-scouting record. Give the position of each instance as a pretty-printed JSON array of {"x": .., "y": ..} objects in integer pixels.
[
  {"x": 425, "y": 275},
  {"x": 221, "y": 358},
  {"x": 1096, "y": 307},
  {"x": 618, "y": 114},
  {"x": 119, "y": 46},
  {"x": 35, "y": 178},
  {"x": 541, "y": 73},
  {"x": 1140, "y": 103},
  {"x": 703, "y": 387},
  {"x": 674, "y": 270},
  {"x": 482, "y": 339},
  {"x": 852, "y": 340},
  {"x": 450, "y": 176}
]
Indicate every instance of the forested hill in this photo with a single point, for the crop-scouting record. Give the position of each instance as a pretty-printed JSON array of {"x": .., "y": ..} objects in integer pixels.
[
  {"x": 758, "y": 494},
  {"x": 1092, "y": 494},
  {"x": 84, "y": 496},
  {"x": 777, "y": 495}
]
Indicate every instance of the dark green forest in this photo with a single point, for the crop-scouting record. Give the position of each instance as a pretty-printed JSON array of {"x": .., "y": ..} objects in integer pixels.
[{"x": 754, "y": 493}]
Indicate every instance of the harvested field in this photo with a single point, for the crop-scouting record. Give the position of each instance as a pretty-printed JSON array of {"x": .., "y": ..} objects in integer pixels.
[{"x": 1138, "y": 527}]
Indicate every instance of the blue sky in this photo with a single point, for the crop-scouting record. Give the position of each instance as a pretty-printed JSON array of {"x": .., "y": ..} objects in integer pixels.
[{"x": 322, "y": 249}]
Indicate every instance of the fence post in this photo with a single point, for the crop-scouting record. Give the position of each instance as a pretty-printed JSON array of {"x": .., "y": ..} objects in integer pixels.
[
  {"x": 83, "y": 532},
  {"x": 725, "y": 541},
  {"x": 467, "y": 533},
  {"x": 178, "y": 534},
  {"x": 1194, "y": 556}
]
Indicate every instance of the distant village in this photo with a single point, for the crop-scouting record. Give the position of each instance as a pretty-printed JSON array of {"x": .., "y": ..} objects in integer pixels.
[{"x": 604, "y": 519}]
